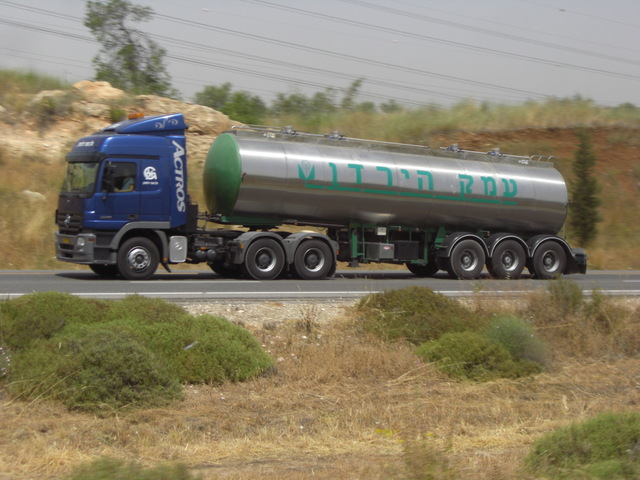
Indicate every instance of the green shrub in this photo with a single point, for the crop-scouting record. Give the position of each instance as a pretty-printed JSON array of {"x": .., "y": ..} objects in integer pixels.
[
  {"x": 112, "y": 469},
  {"x": 135, "y": 351},
  {"x": 42, "y": 315},
  {"x": 416, "y": 314},
  {"x": 603, "y": 447},
  {"x": 518, "y": 338},
  {"x": 91, "y": 366},
  {"x": 206, "y": 349},
  {"x": 472, "y": 356}
]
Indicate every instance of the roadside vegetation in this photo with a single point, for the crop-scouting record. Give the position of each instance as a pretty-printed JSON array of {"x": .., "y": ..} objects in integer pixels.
[{"x": 408, "y": 385}]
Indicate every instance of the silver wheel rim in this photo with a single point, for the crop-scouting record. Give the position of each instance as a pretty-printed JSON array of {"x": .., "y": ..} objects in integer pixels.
[
  {"x": 138, "y": 258},
  {"x": 265, "y": 259},
  {"x": 313, "y": 260}
]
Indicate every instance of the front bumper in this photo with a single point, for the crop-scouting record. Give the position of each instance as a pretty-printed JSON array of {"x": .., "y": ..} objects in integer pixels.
[{"x": 76, "y": 248}]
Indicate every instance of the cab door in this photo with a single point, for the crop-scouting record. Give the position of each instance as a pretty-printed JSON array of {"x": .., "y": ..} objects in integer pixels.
[{"x": 118, "y": 200}]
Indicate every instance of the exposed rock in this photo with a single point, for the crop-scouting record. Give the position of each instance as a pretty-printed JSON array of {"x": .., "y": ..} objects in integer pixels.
[
  {"x": 91, "y": 109},
  {"x": 33, "y": 196},
  {"x": 97, "y": 91}
]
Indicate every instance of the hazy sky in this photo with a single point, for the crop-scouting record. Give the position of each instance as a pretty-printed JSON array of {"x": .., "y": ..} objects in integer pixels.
[{"x": 413, "y": 51}]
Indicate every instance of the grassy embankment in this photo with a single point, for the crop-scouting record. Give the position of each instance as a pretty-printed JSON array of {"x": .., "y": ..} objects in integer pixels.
[
  {"x": 546, "y": 128},
  {"x": 350, "y": 398}
]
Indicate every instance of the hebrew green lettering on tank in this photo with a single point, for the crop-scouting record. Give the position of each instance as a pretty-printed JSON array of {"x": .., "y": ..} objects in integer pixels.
[
  {"x": 510, "y": 192},
  {"x": 389, "y": 175},
  {"x": 465, "y": 189},
  {"x": 420, "y": 179},
  {"x": 306, "y": 171},
  {"x": 358, "y": 168},
  {"x": 494, "y": 185},
  {"x": 334, "y": 174}
]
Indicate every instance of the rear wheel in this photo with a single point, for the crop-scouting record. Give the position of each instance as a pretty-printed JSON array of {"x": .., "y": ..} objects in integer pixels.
[
  {"x": 312, "y": 260},
  {"x": 549, "y": 261},
  {"x": 264, "y": 260},
  {"x": 508, "y": 260},
  {"x": 466, "y": 261},
  {"x": 138, "y": 258}
]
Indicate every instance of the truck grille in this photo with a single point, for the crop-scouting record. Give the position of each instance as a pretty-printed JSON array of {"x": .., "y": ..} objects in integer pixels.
[{"x": 69, "y": 223}]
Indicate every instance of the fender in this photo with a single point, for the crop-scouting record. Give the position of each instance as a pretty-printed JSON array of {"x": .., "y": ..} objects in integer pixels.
[
  {"x": 493, "y": 241},
  {"x": 576, "y": 257},
  {"x": 444, "y": 250},
  {"x": 155, "y": 228}
]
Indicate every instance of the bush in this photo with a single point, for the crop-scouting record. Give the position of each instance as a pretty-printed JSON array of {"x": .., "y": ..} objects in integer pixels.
[
  {"x": 42, "y": 315},
  {"x": 518, "y": 338},
  {"x": 415, "y": 314},
  {"x": 89, "y": 367},
  {"x": 604, "y": 447},
  {"x": 131, "y": 352},
  {"x": 472, "y": 356},
  {"x": 562, "y": 301},
  {"x": 111, "y": 469}
]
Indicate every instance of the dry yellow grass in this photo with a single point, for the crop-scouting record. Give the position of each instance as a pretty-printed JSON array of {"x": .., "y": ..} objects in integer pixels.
[{"x": 339, "y": 405}]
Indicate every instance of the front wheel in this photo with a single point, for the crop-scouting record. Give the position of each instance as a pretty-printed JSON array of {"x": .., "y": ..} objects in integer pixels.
[
  {"x": 313, "y": 260},
  {"x": 466, "y": 261},
  {"x": 264, "y": 260},
  {"x": 549, "y": 261},
  {"x": 138, "y": 258}
]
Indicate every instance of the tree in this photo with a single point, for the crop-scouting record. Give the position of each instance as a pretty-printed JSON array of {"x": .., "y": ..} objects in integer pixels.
[
  {"x": 214, "y": 97},
  {"x": 584, "y": 216},
  {"x": 128, "y": 59}
]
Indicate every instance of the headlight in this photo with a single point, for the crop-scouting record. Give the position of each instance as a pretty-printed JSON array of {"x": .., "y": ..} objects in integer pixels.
[{"x": 81, "y": 242}]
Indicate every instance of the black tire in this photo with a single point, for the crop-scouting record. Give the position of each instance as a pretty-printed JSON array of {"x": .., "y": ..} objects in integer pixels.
[
  {"x": 466, "y": 261},
  {"x": 313, "y": 260},
  {"x": 549, "y": 261},
  {"x": 106, "y": 271},
  {"x": 138, "y": 258},
  {"x": 428, "y": 270},
  {"x": 508, "y": 260},
  {"x": 264, "y": 260}
]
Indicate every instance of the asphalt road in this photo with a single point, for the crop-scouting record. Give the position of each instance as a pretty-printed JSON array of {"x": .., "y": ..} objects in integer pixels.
[{"x": 351, "y": 284}]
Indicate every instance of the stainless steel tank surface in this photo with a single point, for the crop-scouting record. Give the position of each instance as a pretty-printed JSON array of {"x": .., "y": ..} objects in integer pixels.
[{"x": 319, "y": 180}]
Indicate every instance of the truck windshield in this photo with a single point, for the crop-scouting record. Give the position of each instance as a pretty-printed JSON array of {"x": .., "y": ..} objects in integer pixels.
[{"x": 80, "y": 177}]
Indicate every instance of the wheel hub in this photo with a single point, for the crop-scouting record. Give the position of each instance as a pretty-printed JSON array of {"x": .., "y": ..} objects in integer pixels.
[{"x": 138, "y": 259}]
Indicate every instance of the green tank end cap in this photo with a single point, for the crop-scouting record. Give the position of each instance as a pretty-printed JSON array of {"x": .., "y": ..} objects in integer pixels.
[{"x": 222, "y": 175}]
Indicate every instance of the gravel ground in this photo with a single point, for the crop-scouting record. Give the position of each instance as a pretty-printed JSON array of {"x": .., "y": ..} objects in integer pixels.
[{"x": 272, "y": 313}]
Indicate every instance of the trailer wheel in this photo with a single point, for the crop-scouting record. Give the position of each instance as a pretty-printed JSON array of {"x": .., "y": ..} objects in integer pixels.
[
  {"x": 312, "y": 260},
  {"x": 428, "y": 270},
  {"x": 549, "y": 261},
  {"x": 466, "y": 260},
  {"x": 508, "y": 260},
  {"x": 106, "y": 271},
  {"x": 138, "y": 258},
  {"x": 264, "y": 260}
]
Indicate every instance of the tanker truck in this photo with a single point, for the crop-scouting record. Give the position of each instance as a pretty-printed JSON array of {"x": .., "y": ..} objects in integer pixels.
[{"x": 124, "y": 208}]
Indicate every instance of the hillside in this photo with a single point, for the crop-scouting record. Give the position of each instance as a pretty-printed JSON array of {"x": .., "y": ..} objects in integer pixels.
[{"x": 39, "y": 129}]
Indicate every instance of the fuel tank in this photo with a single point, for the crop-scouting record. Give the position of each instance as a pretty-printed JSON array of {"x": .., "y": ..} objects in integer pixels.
[{"x": 287, "y": 177}]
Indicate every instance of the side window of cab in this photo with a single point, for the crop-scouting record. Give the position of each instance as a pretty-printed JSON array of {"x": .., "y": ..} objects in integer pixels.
[{"x": 119, "y": 177}]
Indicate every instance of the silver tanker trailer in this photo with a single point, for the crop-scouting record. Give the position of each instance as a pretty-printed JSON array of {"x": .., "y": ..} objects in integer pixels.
[{"x": 446, "y": 209}]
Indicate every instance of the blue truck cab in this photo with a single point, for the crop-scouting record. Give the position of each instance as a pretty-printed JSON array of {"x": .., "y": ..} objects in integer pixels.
[{"x": 124, "y": 206}]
